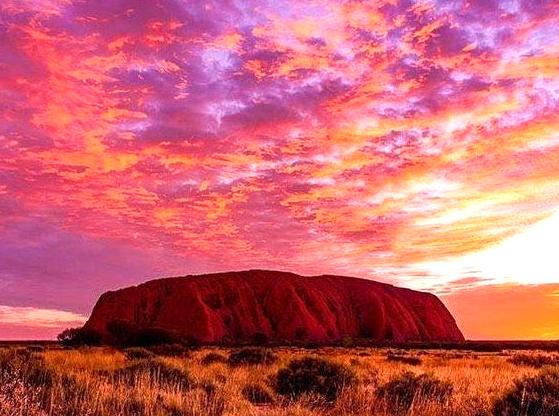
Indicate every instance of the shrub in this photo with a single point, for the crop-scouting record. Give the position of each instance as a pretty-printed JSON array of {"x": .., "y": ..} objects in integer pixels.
[
  {"x": 29, "y": 367},
  {"x": 347, "y": 341},
  {"x": 257, "y": 394},
  {"x": 122, "y": 333},
  {"x": 11, "y": 357},
  {"x": 153, "y": 336},
  {"x": 213, "y": 357},
  {"x": 12, "y": 390},
  {"x": 251, "y": 356},
  {"x": 534, "y": 396},
  {"x": 534, "y": 360},
  {"x": 138, "y": 353},
  {"x": 208, "y": 387},
  {"x": 311, "y": 375},
  {"x": 26, "y": 374},
  {"x": 155, "y": 370},
  {"x": 35, "y": 348},
  {"x": 402, "y": 391},
  {"x": 69, "y": 397},
  {"x": 405, "y": 359},
  {"x": 73, "y": 337},
  {"x": 260, "y": 338},
  {"x": 131, "y": 406},
  {"x": 170, "y": 350},
  {"x": 36, "y": 373},
  {"x": 126, "y": 334}
]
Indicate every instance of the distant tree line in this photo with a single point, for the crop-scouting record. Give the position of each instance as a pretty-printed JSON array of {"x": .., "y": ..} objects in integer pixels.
[
  {"x": 125, "y": 334},
  {"x": 121, "y": 334}
]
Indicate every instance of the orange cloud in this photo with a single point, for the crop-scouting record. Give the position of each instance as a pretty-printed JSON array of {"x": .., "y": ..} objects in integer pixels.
[{"x": 273, "y": 136}]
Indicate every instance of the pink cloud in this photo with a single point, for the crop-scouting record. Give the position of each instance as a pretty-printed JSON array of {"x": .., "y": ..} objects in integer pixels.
[{"x": 171, "y": 138}]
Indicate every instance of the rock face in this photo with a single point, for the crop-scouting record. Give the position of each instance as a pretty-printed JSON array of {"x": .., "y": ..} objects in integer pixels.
[{"x": 240, "y": 307}]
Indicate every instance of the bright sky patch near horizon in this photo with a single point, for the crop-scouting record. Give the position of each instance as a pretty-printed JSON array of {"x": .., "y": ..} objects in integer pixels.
[{"x": 413, "y": 142}]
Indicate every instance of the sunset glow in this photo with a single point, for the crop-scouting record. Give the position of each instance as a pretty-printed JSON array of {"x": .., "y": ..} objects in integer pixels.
[{"x": 414, "y": 142}]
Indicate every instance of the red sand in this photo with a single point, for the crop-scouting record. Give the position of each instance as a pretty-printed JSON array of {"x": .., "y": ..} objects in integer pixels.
[{"x": 282, "y": 307}]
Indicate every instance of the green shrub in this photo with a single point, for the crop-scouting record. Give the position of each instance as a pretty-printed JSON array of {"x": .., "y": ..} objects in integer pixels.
[
  {"x": 11, "y": 357},
  {"x": 122, "y": 333},
  {"x": 127, "y": 334},
  {"x": 157, "y": 371},
  {"x": 257, "y": 394},
  {"x": 170, "y": 350},
  {"x": 401, "y": 392},
  {"x": 35, "y": 348},
  {"x": 36, "y": 373},
  {"x": 534, "y": 360},
  {"x": 74, "y": 337},
  {"x": 138, "y": 353},
  {"x": 347, "y": 341},
  {"x": 69, "y": 397},
  {"x": 315, "y": 376},
  {"x": 132, "y": 406},
  {"x": 260, "y": 338},
  {"x": 29, "y": 367},
  {"x": 213, "y": 357},
  {"x": 404, "y": 359},
  {"x": 531, "y": 396},
  {"x": 153, "y": 336},
  {"x": 251, "y": 356}
]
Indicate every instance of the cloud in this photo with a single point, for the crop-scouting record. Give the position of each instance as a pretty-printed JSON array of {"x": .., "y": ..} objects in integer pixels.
[
  {"x": 29, "y": 323},
  {"x": 199, "y": 136},
  {"x": 42, "y": 318}
]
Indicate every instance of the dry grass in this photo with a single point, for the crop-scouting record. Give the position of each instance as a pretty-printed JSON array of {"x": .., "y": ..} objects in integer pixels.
[{"x": 86, "y": 382}]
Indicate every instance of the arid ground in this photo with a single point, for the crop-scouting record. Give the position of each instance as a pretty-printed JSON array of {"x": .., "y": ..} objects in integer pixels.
[{"x": 171, "y": 380}]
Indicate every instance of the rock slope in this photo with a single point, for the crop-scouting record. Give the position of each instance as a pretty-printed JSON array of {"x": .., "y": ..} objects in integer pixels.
[{"x": 239, "y": 307}]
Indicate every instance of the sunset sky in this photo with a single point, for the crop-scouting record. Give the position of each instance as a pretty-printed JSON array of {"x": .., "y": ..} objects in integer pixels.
[{"x": 411, "y": 142}]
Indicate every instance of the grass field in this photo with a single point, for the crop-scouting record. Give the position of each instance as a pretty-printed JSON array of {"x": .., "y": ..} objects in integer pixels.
[{"x": 49, "y": 380}]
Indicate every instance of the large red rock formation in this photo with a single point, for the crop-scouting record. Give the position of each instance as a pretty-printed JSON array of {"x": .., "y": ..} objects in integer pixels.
[{"x": 279, "y": 307}]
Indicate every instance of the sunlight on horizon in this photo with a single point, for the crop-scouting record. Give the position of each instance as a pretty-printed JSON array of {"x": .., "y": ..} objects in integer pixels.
[{"x": 512, "y": 261}]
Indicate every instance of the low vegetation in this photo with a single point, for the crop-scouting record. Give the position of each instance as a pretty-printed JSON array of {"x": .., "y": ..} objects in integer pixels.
[
  {"x": 257, "y": 394},
  {"x": 74, "y": 337},
  {"x": 138, "y": 353},
  {"x": 322, "y": 378},
  {"x": 159, "y": 372},
  {"x": 535, "y": 396},
  {"x": 213, "y": 358},
  {"x": 251, "y": 356},
  {"x": 163, "y": 380},
  {"x": 406, "y": 359},
  {"x": 407, "y": 389},
  {"x": 535, "y": 360}
]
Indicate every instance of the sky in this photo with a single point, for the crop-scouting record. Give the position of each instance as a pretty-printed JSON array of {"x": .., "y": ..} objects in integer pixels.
[{"x": 410, "y": 142}]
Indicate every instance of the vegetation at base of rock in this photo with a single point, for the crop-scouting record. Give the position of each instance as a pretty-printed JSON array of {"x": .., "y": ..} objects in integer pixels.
[
  {"x": 73, "y": 337},
  {"x": 125, "y": 334},
  {"x": 138, "y": 353},
  {"x": 171, "y": 350}
]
